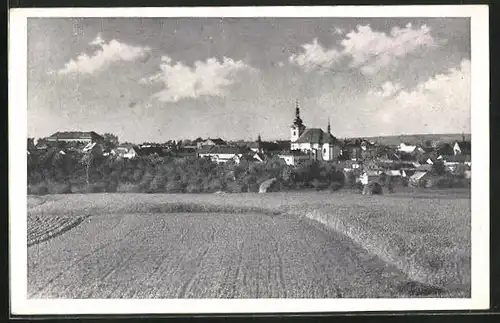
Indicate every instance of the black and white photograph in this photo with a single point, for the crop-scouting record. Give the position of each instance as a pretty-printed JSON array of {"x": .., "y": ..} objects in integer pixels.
[{"x": 276, "y": 159}]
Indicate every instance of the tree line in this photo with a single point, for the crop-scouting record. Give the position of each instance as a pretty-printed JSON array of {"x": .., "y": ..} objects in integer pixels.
[{"x": 54, "y": 172}]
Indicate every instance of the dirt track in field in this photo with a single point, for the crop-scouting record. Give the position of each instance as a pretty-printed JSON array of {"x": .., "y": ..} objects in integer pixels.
[{"x": 207, "y": 256}]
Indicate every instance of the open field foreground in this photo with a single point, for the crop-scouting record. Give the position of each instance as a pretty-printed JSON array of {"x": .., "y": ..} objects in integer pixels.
[{"x": 248, "y": 245}]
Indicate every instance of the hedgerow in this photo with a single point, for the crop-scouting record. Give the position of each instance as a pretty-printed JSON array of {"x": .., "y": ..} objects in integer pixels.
[{"x": 51, "y": 172}]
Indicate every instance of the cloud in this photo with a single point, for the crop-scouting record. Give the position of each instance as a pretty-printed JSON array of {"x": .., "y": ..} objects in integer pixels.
[
  {"x": 107, "y": 53},
  {"x": 442, "y": 103},
  {"x": 368, "y": 50},
  {"x": 387, "y": 89},
  {"x": 209, "y": 78},
  {"x": 315, "y": 56},
  {"x": 371, "y": 50},
  {"x": 338, "y": 31}
]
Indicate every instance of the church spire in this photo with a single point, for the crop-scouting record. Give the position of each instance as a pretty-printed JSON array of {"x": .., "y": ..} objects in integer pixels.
[
  {"x": 328, "y": 129},
  {"x": 298, "y": 121}
]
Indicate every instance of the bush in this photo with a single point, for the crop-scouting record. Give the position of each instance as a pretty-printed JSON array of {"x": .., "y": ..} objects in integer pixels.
[
  {"x": 335, "y": 186},
  {"x": 59, "y": 188},
  {"x": 194, "y": 188},
  {"x": 253, "y": 188},
  {"x": 128, "y": 188},
  {"x": 38, "y": 189},
  {"x": 174, "y": 187},
  {"x": 235, "y": 187},
  {"x": 373, "y": 188},
  {"x": 157, "y": 185},
  {"x": 95, "y": 188}
]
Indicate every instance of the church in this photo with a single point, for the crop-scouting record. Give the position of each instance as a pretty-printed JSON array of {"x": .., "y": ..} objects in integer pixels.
[{"x": 318, "y": 144}]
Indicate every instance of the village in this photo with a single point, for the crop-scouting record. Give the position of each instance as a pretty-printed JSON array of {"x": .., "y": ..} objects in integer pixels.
[{"x": 366, "y": 160}]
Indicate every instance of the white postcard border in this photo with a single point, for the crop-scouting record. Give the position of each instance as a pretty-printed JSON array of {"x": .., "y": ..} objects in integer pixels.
[{"x": 20, "y": 305}]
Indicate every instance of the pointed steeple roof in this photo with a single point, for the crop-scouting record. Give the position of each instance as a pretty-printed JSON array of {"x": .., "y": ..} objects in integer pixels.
[{"x": 297, "y": 121}]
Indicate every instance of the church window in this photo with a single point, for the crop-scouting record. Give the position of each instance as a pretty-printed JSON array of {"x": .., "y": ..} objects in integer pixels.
[
  {"x": 295, "y": 133},
  {"x": 324, "y": 150}
]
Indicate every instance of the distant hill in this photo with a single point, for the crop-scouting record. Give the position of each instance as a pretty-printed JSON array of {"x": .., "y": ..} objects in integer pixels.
[{"x": 418, "y": 138}]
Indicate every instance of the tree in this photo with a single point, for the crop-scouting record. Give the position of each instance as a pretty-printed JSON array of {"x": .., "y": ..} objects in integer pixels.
[
  {"x": 438, "y": 167},
  {"x": 110, "y": 141}
]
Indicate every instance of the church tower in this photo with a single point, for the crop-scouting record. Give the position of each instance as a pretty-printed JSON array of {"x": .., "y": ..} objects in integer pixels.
[
  {"x": 329, "y": 128},
  {"x": 297, "y": 128}
]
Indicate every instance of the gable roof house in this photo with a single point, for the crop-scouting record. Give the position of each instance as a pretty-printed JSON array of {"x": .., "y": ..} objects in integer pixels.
[
  {"x": 81, "y": 136},
  {"x": 128, "y": 151},
  {"x": 211, "y": 142},
  {"x": 462, "y": 148},
  {"x": 351, "y": 149},
  {"x": 452, "y": 161},
  {"x": 221, "y": 154},
  {"x": 295, "y": 157},
  {"x": 405, "y": 148}
]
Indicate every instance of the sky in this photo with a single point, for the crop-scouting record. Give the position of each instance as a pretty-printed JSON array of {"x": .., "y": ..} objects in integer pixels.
[{"x": 181, "y": 78}]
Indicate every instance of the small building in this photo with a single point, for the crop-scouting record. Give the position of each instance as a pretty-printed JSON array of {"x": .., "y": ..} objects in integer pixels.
[
  {"x": 462, "y": 148},
  {"x": 394, "y": 173},
  {"x": 127, "y": 151},
  {"x": 351, "y": 150},
  {"x": 295, "y": 157},
  {"x": 221, "y": 154},
  {"x": 406, "y": 148},
  {"x": 184, "y": 152},
  {"x": 453, "y": 160},
  {"x": 211, "y": 142}
]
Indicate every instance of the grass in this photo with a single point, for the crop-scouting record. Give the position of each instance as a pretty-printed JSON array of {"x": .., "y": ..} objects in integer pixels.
[{"x": 426, "y": 234}]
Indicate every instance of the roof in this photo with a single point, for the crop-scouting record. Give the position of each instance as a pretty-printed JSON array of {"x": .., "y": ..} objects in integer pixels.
[
  {"x": 465, "y": 146},
  {"x": 418, "y": 175},
  {"x": 393, "y": 173},
  {"x": 75, "y": 135},
  {"x": 294, "y": 153},
  {"x": 220, "y": 150},
  {"x": 457, "y": 158},
  {"x": 126, "y": 146},
  {"x": 216, "y": 141},
  {"x": 316, "y": 135},
  {"x": 424, "y": 168}
]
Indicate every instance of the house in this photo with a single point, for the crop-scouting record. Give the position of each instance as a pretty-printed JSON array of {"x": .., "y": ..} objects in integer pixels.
[
  {"x": 75, "y": 136},
  {"x": 394, "y": 173},
  {"x": 423, "y": 168},
  {"x": 368, "y": 149},
  {"x": 462, "y": 148},
  {"x": 185, "y": 152},
  {"x": 149, "y": 149},
  {"x": 211, "y": 142},
  {"x": 221, "y": 154},
  {"x": 128, "y": 151},
  {"x": 295, "y": 157},
  {"x": 444, "y": 149},
  {"x": 351, "y": 149},
  {"x": 251, "y": 157},
  {"x": 405, "y": 148},
  {"x": 322, "y": 145},
  {"x": 451, "y": 161}
]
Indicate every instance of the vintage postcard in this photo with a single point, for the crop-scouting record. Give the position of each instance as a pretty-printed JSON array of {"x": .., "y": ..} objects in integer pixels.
[{"x": 263, "y": 160}]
